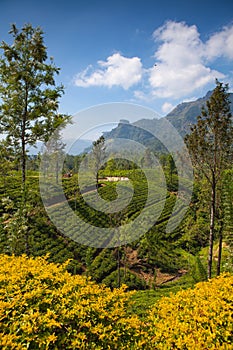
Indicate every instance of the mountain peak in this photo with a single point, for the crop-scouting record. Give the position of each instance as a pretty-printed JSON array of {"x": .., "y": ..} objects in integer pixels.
[
  {"x": 209, "y": 93},
  {"x": 186, "y": 113},
  {"x": 181, "y": 117}
]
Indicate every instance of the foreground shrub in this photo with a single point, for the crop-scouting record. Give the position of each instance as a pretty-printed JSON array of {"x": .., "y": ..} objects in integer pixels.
[
  {"x": 199, "y": 318},
  {"x": 43, "y": 307}
]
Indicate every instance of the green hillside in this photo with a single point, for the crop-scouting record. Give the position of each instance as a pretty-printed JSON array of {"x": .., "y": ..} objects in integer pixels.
[{"x": 155, "y": 258}]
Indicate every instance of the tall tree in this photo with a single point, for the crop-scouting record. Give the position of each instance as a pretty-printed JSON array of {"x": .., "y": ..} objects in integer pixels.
[
  {"x": 54, "y": 152},
  {"x": 210, "y": 147},
  {"x": 28, "y": 91},
  {"x": 171, "y": 167},
  {"x": 147, "y": 159},
  {"x": 98, "y": 153}
]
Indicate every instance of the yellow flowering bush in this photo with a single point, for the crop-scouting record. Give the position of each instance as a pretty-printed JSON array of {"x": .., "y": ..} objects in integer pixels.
[
  {"x": 199, "y": 318},
  {"x": 43, "y": 307}
]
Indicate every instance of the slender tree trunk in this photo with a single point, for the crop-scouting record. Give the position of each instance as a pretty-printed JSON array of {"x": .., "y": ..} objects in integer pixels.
[
  {"x": 97, "y": 181},
  {"x": 27, "y": 249},
  {"x": 23, "y": 165},
  {"x": 24, "y": 199},
  {"x": 125, "y": 261},
  {"x": 220, "y": 248},
  {"x": 211, "y": 235},
  {"x": 23, "y": 136},
  {"x": 118, "y": 268},
  {"x": 57, "y": 169}
]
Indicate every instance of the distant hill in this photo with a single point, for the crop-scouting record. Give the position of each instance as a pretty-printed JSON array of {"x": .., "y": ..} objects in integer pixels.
[
  {"x": 137, "y": 133},
  {"x": 79, "y": 146},
  {"x": 186, "y": 113},
  {"x": 181, "y": 117}
]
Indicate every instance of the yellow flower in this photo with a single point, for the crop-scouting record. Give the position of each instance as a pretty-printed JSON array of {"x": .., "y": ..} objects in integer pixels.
[{"x": 51, "y": 338}]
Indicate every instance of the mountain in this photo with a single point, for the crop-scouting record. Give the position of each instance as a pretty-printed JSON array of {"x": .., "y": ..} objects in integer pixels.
[
  {"x": 181, "y": 117},
  {"x": 79, "y": 146},
  {"x": 186, "y": 113},
  {"x": 137, "y": 132}
]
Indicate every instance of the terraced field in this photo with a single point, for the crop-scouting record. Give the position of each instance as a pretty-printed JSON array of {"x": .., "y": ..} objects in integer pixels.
[{"x": 145, "y": 208}]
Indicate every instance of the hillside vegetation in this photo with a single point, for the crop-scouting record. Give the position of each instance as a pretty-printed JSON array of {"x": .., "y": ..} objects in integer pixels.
[
  {"x": 139, "y": 261},
  {"x": 44, "y": 307},
  {"x": 67, "y": 284}
]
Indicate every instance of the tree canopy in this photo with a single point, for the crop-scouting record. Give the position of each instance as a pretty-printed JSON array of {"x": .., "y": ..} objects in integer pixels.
[
  {"x": 28, "y": 91},
  {"x": 211, "y": 149}
]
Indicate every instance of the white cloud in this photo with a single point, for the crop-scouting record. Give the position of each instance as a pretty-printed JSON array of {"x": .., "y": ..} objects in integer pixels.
[
  {"x": 171, "y": 82},
  {"x": 184, "y": 65},
  {"x": 220, "y": 44},
  {"x": 116, "y": 70},
  {"x": 180, "y": 41},
  {"x": 140, "y": 95},
  {"x": 181, "y": 67},
  {"x": 167, "y": 107}
]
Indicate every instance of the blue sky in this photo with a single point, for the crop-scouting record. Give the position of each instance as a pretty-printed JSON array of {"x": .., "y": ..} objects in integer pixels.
[{"x": 153, "y": 53}]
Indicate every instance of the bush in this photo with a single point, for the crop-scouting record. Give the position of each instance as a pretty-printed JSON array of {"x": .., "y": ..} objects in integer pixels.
[
  {"x": 102, "y": 265},
  {"x": 199, "y": 318},
  {"x": 132, "y": 281},
  {"x": 198, "y": 271},
  {"x": 44, "y": 307}
]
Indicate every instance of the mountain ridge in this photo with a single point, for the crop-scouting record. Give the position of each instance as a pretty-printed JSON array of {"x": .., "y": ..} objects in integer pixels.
[
  {"x": 186, "y": 113},
  {"x": 181, "y": 117}
]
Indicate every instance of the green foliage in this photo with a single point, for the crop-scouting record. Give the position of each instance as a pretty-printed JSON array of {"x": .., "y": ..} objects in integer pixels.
[
  {"x": 28, "y": 92},
  {"x": 143, "y": 300},
  {"x": 98, "y": 156},
  {"x": 227, "y": 196},
  {"x": 118, "y": 164},
  {"x": 127, "y": 277},
  {"x": 17, "y": 227},
  {"x": 102, "y": 265},
  {"x": 195, "y": 230},
  {"x": 210, "y": 147},
  {"x": 7, "y": 159},
  {"x": 198, "y": 271},
  {"x": 156, "y": 249},
  {"x": 210, "y": 140},
  {"x": 28, "y": 113}
]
